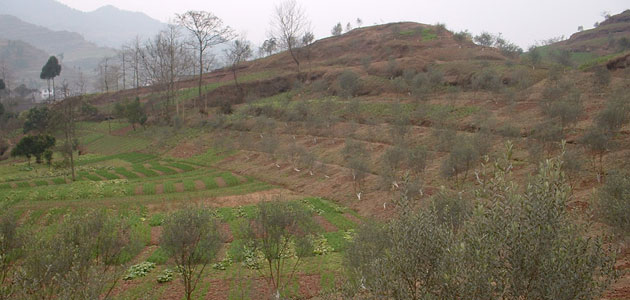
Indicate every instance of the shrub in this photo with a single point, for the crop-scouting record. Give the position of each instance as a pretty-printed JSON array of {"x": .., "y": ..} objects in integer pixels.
[
  {"x": 281, "y": 231},
  {"x": 614, "y": 201},
  {"x": 518, "y": 243},
  {"x": 348, "y": 83},
  {"x": 190, "y": 236},
  {"x": 487, "y": 80}
]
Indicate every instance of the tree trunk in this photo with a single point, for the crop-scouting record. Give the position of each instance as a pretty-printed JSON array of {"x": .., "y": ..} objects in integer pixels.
[{"x": 201, "y": 77}]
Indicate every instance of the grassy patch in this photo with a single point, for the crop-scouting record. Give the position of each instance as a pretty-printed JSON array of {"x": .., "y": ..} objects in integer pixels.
[
  {"x": 181, "y": 166},
  {"x": 23, "y": 184},
  {"x": 148, "y": 188},
  {"x": 126, "y": 173},
  {"x": 144, "y": 171},
  {"x": 230, "y": 179},
  {"x": 59, "y": 180},
  {"x": 41, "y": 182},
  {"x": 332, "y": 213},
  {"x": 159, "y": 256},
  {"x": 106, "y": 174}
]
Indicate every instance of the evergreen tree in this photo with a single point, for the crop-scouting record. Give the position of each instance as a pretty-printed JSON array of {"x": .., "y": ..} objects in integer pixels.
[{"x": 51, "y": 69}]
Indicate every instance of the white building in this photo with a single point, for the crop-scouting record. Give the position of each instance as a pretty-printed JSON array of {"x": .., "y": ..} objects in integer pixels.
[{"x": 45, "y": 93}]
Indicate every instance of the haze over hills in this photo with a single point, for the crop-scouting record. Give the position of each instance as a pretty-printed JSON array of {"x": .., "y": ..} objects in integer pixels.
[
  {"x": 71, "y": 47},
  {"x": 106, "y": 26}
]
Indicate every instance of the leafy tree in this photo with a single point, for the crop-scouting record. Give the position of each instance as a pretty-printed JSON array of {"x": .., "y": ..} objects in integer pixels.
[
  {"x": 563, "y": 103},
  {"x": 598, "y": 142},
  {"x": 30, "y": 146},
  {"x": 337, "y": 30},
  {"x": 191, "y": 236},
  {"x": 2, "y": 85},
  {"x": 392, "y": 160},
  {"x": 508, "y": 49},
  {"x": 51, "y": 69},
  {"x": 520, "y": 243},
  {"x": 208, "y": 31},
  {"x": 542, "y": 246},
  {"x": 307, "y": 42},
  {"x": 417, "y": 159},
  {"x": 562, "y": 57},
  {"x": 11, "y": 242},
  {"x": 281, "y": 231},
  {"x": 78, "y": 261},
  {"x": 349, "y": 83},
  {"x": 615, "y": 114},
  {"x": 356, "y": 158},
  {"x": 268, "y": 47},
  {"x": 614, "y": 201},
  {"x": 602, "y": 77},
  {"x": 462, "y": 36},
  {"x": 487, "y": 80},
  {"x": 461, "y": 158},
  {"x": 485, "y": 39},
  {"x": 37, "y": 120},
  {"x": 534, "y": 56},
  {"x": 359, "y": 22},
  {"x": 132, "y": 111},
  {"x": 64, "y": 118},
  {"x": 404, "y": 259}
]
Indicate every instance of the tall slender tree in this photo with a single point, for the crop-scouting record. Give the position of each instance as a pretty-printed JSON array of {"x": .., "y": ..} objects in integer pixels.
[
  {"x": 208, "y": 31},
  {"x": 51, "y": 69}
]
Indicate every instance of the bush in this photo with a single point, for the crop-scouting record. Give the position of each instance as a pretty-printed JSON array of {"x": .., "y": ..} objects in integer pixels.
[
  {"x": 517, "y": 243},
  {"x": 486, "y": 80},
  {"x": 614, "y": 201},
  {"x": 348, "y": 83}
]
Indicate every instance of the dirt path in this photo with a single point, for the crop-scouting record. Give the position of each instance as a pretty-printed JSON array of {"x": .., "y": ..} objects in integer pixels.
[
  {"x": 179, "y": 187},
  {"x": 156, "y": 233},
  {"x": 159, "y": 189},
  {"x": 220, "y": 182},
  {"x": 327, "y": 226},
  {"x": 138, "y": 190},
  {"x": 199, "y": 185}
]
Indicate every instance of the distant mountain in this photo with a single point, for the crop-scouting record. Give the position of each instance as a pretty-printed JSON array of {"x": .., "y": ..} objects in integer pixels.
[
  {"x": 25, "y": 64},
  {"x": 69, "y": 46},
  {"x": 106, "y": 26}
]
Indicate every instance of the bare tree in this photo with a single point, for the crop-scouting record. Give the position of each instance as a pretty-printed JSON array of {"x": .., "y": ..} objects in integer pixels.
[
  {"x": 238, "y": 51},
  {"x": 208, "y": 31},
  {"x": 289, "y": 24},
  {"x": 108, "y": 74},
  {"x": 133, "y": 54},
  {"x": 166, "y": 61}
]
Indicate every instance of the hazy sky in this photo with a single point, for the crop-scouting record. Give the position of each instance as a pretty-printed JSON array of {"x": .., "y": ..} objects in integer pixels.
[{"x": 523, "y": 22}]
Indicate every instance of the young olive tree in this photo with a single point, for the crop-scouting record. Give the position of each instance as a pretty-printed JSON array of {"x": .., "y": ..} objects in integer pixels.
[
  {"x": 191, "y": 237},
  {"x": 79, "y": 261},
  {"x": 11, "y": 241},
  {"x": 519, "y": 243},
  {"x": 281, "y": 231},
  {"x": 614, "y": 201}
]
